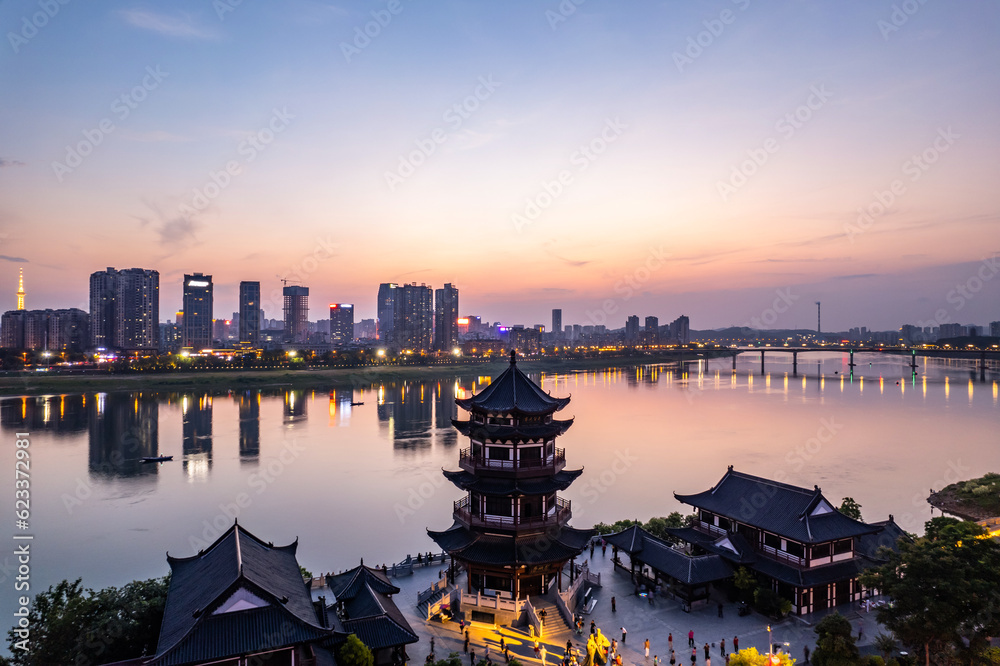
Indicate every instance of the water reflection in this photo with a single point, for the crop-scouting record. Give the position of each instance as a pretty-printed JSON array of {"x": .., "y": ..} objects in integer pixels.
[
  {"x": 295, "y": 406},
  {"x": 249, "y": 426},
  {"x": 196, "y": 429},
  {"x": 123, "y": 428},
  {"x": 58, "y": 414},
  {"x": 405, "y": 414}
]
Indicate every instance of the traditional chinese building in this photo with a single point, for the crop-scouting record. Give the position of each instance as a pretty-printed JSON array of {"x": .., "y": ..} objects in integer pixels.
[
  {"x": 364, "y": 607},
  {"x": 793, "y": 538},
  {"x": 511, "y": 532},
  {"x": 240, "y": 601}
]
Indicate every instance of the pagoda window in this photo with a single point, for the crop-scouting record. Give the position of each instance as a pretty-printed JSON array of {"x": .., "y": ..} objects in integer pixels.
[
  {"x": 549, "y": 447},
  {"x": 821, "y": 551},
  {"x": 772, "y": 540},
  {"x": 794, "y": 548},
  {"x": 708, "y": 517},
  {"x": 725, "y": 524},
  {"x": 498, "y": 453},
  {"x": 530, "y": 453},
  {"x": 499, "y": 506},
  {"x": 530, "y": 507},
  {"x": 477, "y": 449}
]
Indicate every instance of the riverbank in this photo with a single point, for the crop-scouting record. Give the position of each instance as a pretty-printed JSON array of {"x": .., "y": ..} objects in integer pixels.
[
  {"x": 312, "y": 378},
  {"x": 965, "y": 500}
]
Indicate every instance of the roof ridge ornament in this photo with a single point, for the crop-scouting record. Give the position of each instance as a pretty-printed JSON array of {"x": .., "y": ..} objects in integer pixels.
[{"x": 513, "y": 357}]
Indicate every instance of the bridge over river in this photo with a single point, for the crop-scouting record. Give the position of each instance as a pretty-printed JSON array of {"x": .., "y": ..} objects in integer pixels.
[{"x": 980, "y": 356}]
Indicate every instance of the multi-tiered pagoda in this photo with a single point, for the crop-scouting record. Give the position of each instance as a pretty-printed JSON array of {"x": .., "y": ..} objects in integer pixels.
[{"x": 510, "y": 532}]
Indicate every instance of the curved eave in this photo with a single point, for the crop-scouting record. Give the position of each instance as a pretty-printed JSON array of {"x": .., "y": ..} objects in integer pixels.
[
  {"x": 497, "y": 550},
  {"x": 513, "y": 487},
  {"x": 508, "y": 432}
]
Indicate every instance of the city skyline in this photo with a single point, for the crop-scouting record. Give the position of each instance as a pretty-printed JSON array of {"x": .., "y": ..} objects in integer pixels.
[{"x": 702, "y": 160}]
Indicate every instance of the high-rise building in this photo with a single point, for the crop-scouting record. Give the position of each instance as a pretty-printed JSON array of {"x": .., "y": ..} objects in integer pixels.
[
  {"x": 137, "y": 310},
  {"x": 446, "y": 317},
  {"x": 341, "y": 324},
  {"x": 680, "y": 330},
  {"x": 632, "y": 328},
  {"x": 198, "y": 304},
  {"x": 365, "y": 329},
  {"x": 52, "y": 330},
  {"x": 103, "y": 289},
  {"x": 414, "y": 317},
  {"x": 125, "y": 309},
  {"x": 385, "y": 323},
  {"x": 250, "y": 313},
  {"x": 296, "y": 313},
  {"x": 651, "y": 332},
  {"x": 557, "y": 322},
  {"x": 995, "y": 329}
]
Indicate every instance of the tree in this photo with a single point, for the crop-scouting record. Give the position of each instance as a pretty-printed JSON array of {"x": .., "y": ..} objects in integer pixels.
[
  {"x": 835, "y": 642},
  {"x": 745, "y": 582},
  {"x": 306, "y": 574},
  {"x": 453, "y": 659},
  {"x": 658, "y": 526},
  {"x": 355, "y": 653},
  {"x": 750, "y": 657},
  {"x": 885, "y": 644},
  {"x": 71, "y": 625},
  {"x": 945, "y": 598},
  {"x": 617, "y": 526},
  {"x": 850, "y": 508}
]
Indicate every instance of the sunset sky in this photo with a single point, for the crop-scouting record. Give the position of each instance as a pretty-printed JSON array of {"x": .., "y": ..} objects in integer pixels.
[{"x": 608, "y": 158}]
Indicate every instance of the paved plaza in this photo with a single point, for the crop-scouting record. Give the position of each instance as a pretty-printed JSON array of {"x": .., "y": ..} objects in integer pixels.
[{"x": 641, "y": 619}]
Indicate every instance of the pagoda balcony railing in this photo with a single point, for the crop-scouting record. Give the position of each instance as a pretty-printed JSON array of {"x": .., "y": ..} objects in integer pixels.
[
  {"x": 761, "y": 549},
  {"x": 472, "y": 463},
  {"x": 559, "y": 513}
]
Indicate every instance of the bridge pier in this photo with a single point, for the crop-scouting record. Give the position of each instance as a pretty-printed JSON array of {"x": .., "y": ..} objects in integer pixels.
[
  {"x": 982, "y": 367},
  {"x": 762, "y": 361},
  {"x": 734, "y": 360},
  {"x": 795, "y": 364},
  {"x": 850, "y": 363}
]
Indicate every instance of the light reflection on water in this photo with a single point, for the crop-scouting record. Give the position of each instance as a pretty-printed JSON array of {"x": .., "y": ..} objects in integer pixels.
[{"x": 365, "y": 480}]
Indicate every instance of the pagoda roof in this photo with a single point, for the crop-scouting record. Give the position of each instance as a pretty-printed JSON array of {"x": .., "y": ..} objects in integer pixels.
[
  {"x": 238, "y": 566},
  {"x": 660, "y": 555},
  {"x": 800, "y": 514},
  {"x": 346, "y": 585},
  {"x": 513, "y": 391},
  {"x": 513, "y": 486},
  {"x": 496, "y": 432},
  {"x": 889, "y": 535},
  {"x": 541, "y": 547},
  {"x": 733, "y": 546},
  {"x": 369, "y": 612},
  {"x": 824, "y": 575}
]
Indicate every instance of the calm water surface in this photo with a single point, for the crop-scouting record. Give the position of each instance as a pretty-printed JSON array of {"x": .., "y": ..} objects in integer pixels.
[{"x": 365, "y": 481}]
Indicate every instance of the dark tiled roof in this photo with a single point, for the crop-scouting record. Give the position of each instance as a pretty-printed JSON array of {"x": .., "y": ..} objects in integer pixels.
[
  {"x": 242, "y": 632},
  {"x": 830, "y": 573},
  {"x": 348, "y": 584},
  {"x": 376, "y": 620},
  {"x": 888, "y": 535},
  {"x": 512, "y": 486},
  {"x": 513, "y": 391},
  {"x": 554, "y": 545},
  {"x": 796, "y": 513},
  {"x": 645, "y": 548},
  {"x": 501, "y": 433},
  {"x": 199, "y": 584},
  {"x": 743, "y": 553},
  {"x": 369, "y": 612}
]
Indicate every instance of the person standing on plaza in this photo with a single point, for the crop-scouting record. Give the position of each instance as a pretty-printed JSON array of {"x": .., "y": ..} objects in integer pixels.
[
  {"x": 722, "y": 647},
  {"x": 613, "y": 608},
  {"x": 670, "y": 641},
  {"x": 691, "y": 638},
  {"x": 673, "y": 658},
  {"x": 624, "y": 634},
  {"x": 694, "y": 655},
  {"x": 592, "y": 625},
  {"x": 706, "y": 650},
  {"x": 472, "y": 658},
  {"x": 736, "y": 643},
  {"x": 806, "y": 651},
  {"x": 646, "y": 646},
  {"x": 861, "y": 629},
  {"x": 466, "y": 647},
  {"x": 544, "y": 654}
]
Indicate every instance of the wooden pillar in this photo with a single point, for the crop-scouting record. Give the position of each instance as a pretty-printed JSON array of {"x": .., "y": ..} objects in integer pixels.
[
  {"x": 559, "y": 579},
  {"x": 468, "y": 574}
]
